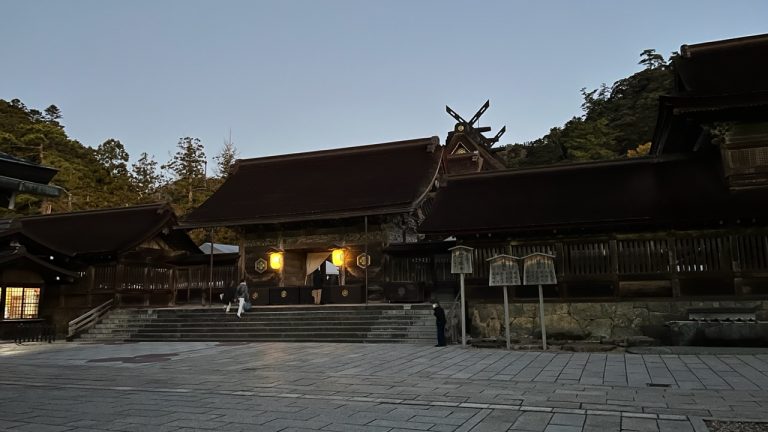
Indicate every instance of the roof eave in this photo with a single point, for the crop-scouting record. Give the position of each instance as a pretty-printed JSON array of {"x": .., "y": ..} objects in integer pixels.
[{"x": 296, "y": 218}]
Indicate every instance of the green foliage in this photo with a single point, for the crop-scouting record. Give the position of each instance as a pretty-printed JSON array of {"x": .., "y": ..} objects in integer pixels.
[
  {"x": 100, "y": 177},
  {"x": 616, "y": 119},
  {"x": 225, "y": 159},
  {"x": 187, "y": 168},
  {"x": 145, "y": 178},
  {"x": 112, "y": 156}
]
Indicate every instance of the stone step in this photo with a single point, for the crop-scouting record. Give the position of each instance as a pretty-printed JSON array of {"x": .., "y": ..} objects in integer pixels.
[
  {"x": 224, "y": 317},
  {"x": 337, "y": 323},
  {"x": 272, "y": 336},
  {"x": 258, "y": 329}
]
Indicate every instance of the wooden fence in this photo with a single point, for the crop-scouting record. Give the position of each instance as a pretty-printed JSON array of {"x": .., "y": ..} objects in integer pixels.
[
  {"x": 156, "y": 284},
  {"x": 678, "y": 264}
]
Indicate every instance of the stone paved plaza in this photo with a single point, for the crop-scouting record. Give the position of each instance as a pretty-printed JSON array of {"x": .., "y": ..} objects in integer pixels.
[{"x": 376, "y": 388}]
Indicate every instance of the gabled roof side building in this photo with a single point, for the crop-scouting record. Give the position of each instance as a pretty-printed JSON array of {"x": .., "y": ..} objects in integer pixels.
[{"x": 57, "y": 266}]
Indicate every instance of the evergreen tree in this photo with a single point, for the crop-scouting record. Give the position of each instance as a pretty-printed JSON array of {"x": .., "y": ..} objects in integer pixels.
[
  {"x": 145, "y": 177},
  {"x": 112, "y": 156},
  {"x": 187, "y": 166},
  {"x": 225, "y": 159}
]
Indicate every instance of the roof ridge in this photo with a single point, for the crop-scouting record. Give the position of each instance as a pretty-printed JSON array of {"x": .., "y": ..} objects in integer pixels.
[
  {"x": 649, "y": 159},
  {"x": 689, "y": 50},
  {"x": 343, "y": 150},
  {"x": 159, "y": 205}
]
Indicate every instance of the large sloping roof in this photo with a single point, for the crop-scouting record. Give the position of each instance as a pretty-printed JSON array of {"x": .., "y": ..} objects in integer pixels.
[
  {"x": 97, "y": 231},
  {"x": 355, "y": 181},
  {"x": 714, "y": 82},
  {"x": 661, "y": 192}
]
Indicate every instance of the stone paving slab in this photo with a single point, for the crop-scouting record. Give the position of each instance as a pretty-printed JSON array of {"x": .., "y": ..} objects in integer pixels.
[{"x": 358, "y": 387}]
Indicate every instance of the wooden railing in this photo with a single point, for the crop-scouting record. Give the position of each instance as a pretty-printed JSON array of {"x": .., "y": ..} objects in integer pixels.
[
  {"x": 88, "y": 319},
  {"x": 34, "y": 332}
]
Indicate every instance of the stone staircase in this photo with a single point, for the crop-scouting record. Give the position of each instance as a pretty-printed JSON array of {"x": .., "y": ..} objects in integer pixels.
[{"x": 378, "y": 323}]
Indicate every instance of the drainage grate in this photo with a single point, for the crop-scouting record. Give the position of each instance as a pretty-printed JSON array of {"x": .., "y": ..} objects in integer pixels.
[{"x": 657, "y": 385}]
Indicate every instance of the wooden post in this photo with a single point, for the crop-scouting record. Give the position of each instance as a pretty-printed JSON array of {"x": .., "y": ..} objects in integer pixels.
[
  {"x": 541, "y": 319},
  {"x": 506, "y": 316},
  {"x": 172, "y": 282},
  {"x": 366, "y": 255},
  {"x": 210, "y": 270},
  {"x": 673, "y": 266},
  {"x": 463, "y": 313},
  {"x": 91, "y": 275}
]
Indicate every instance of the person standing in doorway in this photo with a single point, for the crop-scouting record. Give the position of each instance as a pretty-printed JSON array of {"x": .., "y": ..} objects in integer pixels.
[
  {"x": 440, "y": 320},
  {"x": 242, "y": 296},
  {"x": 318, "y": 280}
]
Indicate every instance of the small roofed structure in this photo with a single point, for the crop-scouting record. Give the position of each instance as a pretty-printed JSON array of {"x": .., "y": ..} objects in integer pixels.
[
  {"x": 55, "y": 267},
  {"x": 304, "y": 206},
  {"x": 21, "y": 176}
]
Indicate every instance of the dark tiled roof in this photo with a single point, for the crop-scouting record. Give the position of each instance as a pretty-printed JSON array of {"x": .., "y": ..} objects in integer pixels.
[
  {"x": 22, "y": 259},
  {"x": 96, "y": 231},
  {"x": 374, "y": 179},
  {"x": 639, "y": 192},
  {"x": 728, "y": 66},
  {"x": 717, "y": 81},
  {"x": 14, "y": 167}
]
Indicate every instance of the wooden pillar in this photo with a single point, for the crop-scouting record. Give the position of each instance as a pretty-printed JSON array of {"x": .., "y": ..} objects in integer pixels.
[
  {"x": 90, "y": 276},
  {"x": 613, "y": 246},
  {"x": 673, "y": 267}
]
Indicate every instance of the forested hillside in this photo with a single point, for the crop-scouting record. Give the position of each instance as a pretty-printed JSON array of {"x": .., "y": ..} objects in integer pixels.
[
  {"x": 103, "y": 177},
  {"x": 618, "y": 121}
]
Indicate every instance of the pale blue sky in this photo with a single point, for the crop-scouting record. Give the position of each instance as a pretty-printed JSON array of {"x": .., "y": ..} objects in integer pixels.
[{"x": 289, "y": 76}]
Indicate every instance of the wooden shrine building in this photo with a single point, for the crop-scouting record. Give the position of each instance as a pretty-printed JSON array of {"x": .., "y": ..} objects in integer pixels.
[
  {"x": 638, "y": 241},
  {"x": 297, "y": 213},
  {"x": 55, "y": 267}
]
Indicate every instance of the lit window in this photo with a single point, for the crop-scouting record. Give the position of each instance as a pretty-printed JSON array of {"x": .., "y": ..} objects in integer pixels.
[{"x": 21, "y": 303}]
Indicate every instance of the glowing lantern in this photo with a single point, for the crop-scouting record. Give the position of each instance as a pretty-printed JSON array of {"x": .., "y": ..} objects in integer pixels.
[
  {"x": 337, "y": 257},
  {"x": 276, "y": 260}
]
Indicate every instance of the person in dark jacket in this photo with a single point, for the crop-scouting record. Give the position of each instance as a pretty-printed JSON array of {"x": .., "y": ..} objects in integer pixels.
[
  {"x": 440, "y": 320},
  {"x": 242, "y": 297},
  {"x": 228, "y": 296}
]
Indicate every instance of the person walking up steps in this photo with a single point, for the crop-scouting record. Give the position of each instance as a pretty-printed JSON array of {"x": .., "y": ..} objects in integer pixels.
[
  {"x": 242, "y": 297},
  {"x": 228, "y": 296}
]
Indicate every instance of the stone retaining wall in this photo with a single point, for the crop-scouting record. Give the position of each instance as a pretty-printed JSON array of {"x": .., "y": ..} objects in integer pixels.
[{"x": 593, "y": 321}]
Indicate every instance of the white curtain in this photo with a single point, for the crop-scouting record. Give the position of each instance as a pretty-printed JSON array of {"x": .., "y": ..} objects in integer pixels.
[{"x": 314, "y": 259}]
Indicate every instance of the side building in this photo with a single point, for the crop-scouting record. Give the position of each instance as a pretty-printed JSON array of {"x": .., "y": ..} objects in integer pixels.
[{"x": 55, "y": 267}]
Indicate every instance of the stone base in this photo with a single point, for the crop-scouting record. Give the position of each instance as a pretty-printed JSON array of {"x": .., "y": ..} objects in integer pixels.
[{"x": 594, "y": 321}]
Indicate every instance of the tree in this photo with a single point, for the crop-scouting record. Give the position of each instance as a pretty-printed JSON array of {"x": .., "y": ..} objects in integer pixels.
[
  {"x": 651, "y": 59},
  {"x": 112, "y": 156},
  {"x": 225, "y": 159},
  {"x": 188, "y": 167},
  {"x": 145, "y": 177},
  {"x": 614, "y": 118},
  {"x": 52, "y": 113}
]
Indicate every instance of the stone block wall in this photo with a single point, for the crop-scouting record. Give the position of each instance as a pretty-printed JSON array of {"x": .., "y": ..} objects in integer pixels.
[{"x": 593, "y": 321}]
